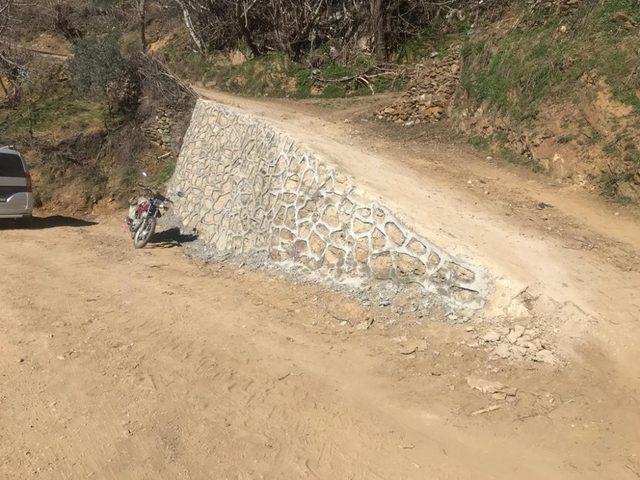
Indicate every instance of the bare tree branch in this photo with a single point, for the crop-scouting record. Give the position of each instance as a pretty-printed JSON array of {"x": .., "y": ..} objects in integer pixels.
[{"x": 5, "y": 14}]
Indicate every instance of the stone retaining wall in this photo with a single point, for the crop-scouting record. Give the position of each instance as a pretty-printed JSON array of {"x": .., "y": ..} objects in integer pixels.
[{"x": 250, "y": 190}]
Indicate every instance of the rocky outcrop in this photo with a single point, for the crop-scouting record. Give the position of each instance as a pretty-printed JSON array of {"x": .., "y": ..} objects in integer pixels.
[{"x": 250, "y": 190}]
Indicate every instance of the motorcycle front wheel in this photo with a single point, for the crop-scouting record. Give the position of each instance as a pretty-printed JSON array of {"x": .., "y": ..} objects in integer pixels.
[{"x": 144, "y": 233}]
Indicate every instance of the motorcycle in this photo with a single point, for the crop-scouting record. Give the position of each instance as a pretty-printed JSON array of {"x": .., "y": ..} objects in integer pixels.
[{"x": 144, "y": 213}]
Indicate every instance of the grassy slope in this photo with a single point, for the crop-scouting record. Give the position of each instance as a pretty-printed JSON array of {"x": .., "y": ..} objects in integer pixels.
[
  {"x": 78, "y": 150},
  {"x": 536, "y": 57},
  {"x": 527, "y": 59},
  {"x": 44, "y": 113}
]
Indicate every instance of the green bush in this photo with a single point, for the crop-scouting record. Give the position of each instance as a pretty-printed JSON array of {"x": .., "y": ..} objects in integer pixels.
[
  {"x": 100, "y": 70},
  {"x": 97, "y": 61}
]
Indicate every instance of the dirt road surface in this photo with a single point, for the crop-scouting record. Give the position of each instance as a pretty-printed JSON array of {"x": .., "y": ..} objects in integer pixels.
[{"x": 125, "y": 364}]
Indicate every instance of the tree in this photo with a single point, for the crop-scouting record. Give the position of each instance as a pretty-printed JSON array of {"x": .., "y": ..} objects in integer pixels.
[
  {"x": 63, "y": 14},
  {"x": 10, "y": 69},
  {"x": 242, "y": 13},
  {"x": 298, "y": 27},
  {"x": 142, "y": 19},
  {"x": 379, "y": 12},
  {"x": 5, "y": 14},
  {"x": 187, "y": 7}
]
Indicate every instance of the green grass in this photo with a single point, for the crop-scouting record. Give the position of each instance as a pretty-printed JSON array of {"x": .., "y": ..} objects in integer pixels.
[
  {"x": 518, "y": 74},
  {"x": 432, "y": 39},
  {"x": 518, "y": 159},
  {"x": 627, "y": 152},
  {"x": 60, "y": 112},
  {"x": 610, "y": 186},
  {"x": 479, "y": 142},
  {"x": 497, "y": 145},
  {"x": 275, "y": 75},
  {"x": 165, "y": 173},
  {"x": 418, "y": 47},
  {"x": 535, "y": 61},
  {"x": 541, "y": 59}
]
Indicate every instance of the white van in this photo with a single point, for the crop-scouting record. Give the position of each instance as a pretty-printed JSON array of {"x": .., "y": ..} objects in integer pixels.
[{"x": 16, "y": 195}]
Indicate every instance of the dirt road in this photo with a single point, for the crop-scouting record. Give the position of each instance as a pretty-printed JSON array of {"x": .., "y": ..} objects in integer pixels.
[{"x": 124, "y": 364}]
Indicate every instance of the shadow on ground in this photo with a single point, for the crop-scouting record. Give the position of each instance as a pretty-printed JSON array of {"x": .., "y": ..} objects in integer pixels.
[
  {"x": 171, "y": 238},
  {"x": 39, "y": 223}
]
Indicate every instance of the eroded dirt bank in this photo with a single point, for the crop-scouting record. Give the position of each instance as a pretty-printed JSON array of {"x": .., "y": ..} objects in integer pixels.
[{"x": 142, "y": 364}]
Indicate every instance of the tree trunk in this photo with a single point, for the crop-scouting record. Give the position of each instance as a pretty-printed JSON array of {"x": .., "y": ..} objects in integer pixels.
[
  {"x": 5, "y": 14},
  {"x": 142, "y": 16},
  {"x": 379, "y": 10},
  {"x": 243, "y": 23},
  {"x": 190, "y": 27}
]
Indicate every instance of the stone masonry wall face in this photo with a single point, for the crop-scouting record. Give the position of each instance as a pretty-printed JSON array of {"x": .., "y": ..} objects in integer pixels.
[{"x": 250, "y": 190}]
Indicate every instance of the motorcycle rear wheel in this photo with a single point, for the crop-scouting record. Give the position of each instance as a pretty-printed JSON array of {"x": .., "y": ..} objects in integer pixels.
[{"x": 144, "y": 233}]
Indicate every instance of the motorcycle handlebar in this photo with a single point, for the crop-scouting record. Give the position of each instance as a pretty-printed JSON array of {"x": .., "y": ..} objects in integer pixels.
[{"x": 157, "y": 195}]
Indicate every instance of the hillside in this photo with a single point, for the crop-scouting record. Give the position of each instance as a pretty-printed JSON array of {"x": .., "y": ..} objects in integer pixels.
[
  {"x": 551, "y": 85},
  {"x": 86, "y": 113},
  {"x": 559, "y": 86}
]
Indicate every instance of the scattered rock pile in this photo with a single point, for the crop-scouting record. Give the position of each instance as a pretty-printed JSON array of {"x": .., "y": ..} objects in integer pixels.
[
  {"x": 518, "y": 343},
  {"x": 430, "y": 91}
]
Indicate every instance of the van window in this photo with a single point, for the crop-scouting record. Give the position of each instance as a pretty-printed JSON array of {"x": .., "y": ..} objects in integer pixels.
[{"x": 11, "y": 165}]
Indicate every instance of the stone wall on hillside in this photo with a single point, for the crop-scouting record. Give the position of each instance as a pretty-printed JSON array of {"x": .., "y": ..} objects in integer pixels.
[{"x": 251, "y": 191}]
